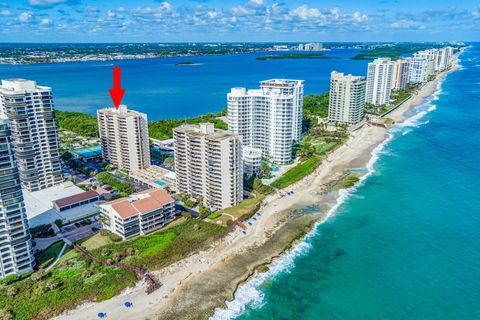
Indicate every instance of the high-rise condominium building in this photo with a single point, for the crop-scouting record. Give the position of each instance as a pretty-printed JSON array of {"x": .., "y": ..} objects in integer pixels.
[
  {"x": 269, "y": 118},
  {"x": 418, "y": 70},
  {"x": 379, "y": 81},
  {"x": 124, "y": 138},
  {"x": 347, "y": 98},
  {"x": 16, "y": 254},
  {"x": 208, "y": 164},
  {"x": 400, "y": 74},
  {"x": 29, "y": 108},
  {"x": 444, "y": 58}
]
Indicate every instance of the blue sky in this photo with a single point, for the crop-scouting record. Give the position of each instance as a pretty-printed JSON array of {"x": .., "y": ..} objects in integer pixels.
[{"x": 232, "y": 20}]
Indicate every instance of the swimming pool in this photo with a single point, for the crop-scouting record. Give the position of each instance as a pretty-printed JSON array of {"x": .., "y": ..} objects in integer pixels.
[{"x": 160, "y": 183}]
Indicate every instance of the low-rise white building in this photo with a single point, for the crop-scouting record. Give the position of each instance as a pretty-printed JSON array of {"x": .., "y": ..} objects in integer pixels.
[
  {"x": 138, "y": 214},
  {"x": 65, "y": 202}
]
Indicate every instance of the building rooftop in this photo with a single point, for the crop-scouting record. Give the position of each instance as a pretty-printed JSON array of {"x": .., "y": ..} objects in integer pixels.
[
  {"x": 39, "y": 204},
  {"x": 206, "y": 130},
  {"x": 21, "y": 85},
  {"x": 281, "y": 82},
  {"x": 76, "y": 198},
  {"x": 122, "y": 111},
  {"x": 140, "y": 203}
]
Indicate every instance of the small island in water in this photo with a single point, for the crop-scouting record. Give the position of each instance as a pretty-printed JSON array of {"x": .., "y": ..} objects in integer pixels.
[{"x": 294, "y": 56}]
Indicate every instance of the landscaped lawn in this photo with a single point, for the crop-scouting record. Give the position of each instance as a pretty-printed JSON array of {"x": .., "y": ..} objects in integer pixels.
[
  {"x": 162, "y": 248},
  {"x": 96, "y": 241},
  {"x": 47, "y": 256},
  {"x": 246, "y": 208},
  {"x": 297, "y": 173},
  {"x": 321, "y": 147}
]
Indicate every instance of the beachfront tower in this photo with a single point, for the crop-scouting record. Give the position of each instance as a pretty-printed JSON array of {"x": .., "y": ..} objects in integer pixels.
[
  {"x": 418, "y": 70},
  {"x": 124, "y": 138},
  {"x": 208, "y": 164},
  {"x": 400, "y": 74},
  {"x": 379, "y": 81},
  {"x": 15, "y": 244},
  {"x": 29, "y": 108},
  {"x": 269, "y": 118},
  {"x": 347, "y": 98}
]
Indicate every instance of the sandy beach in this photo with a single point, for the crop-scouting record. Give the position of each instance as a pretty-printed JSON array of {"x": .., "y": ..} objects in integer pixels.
[{"x": 194, "y": 287}]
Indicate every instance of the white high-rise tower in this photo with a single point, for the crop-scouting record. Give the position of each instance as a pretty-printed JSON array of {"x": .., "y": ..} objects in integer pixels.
[
  {"x": 347, "y": 98},
  {"x": 269, "y": 118},
  {"x": 379, "y": 81},
  {"x": 15, "y": 242},
  {"x": 124, "y": 138},
  {"x": 29, "y": 108}
]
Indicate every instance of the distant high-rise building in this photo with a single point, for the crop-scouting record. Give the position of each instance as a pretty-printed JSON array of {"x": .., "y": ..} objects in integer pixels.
[
  {"x": 269, "y": 118},
  {"x": 208, "y": 164},
  {"x": 310, "y": 47},
  {"x": 443, "y": 60},
  {"x": 15, "y": 244},
  {"x": 418, "y": 70},
  {"x": 29, "y": 108},
  {"x": 400, "y": 74},
  {"x": 379, "y": 81},
  {"x": 347, "y": 98},
  {"x": 124, "y": 138}
]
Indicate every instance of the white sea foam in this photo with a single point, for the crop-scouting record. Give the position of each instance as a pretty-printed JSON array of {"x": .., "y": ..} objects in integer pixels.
[{"x": 249, "y": 294}]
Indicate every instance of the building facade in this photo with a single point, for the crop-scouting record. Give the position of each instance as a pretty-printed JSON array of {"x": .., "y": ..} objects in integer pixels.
[
  {"x": 138, "y": 214},
  {"x": 16, "y": 254},
  {"x": 400, "y": 74},
  {"x": 208, "y": 164},
  {"x": 379, "y": 81},
  {"x": 29, "y": 108},
  {"x": 124, "y": 138},
  {"x": 418, "y": 70},
  {"x": 252, "y": 161},
  {"x": 269, "y": 118},
  {"x": 347, "y": 98}
]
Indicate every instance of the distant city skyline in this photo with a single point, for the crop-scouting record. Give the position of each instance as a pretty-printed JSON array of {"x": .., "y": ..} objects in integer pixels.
[{"x": 233, "y": 20}]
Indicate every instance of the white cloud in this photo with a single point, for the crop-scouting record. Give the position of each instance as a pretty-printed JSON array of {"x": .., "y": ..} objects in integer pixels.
[
  {"x": 5, "y": 13},
  {"x": 242, "y": 11},
  {"x": 359, "y": 17},
  {"x": 407, "y": 24},
  {"x": 25, "y": 17},
  {"x": 48, "y": 3},
  {"x": 257, "y": 2},
  {"x": 305, "y": 12},
  {"x": 45, "y": 22}
]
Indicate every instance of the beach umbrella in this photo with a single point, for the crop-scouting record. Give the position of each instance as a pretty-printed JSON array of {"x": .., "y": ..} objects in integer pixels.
[
  {"x": 128, "y": 304},
  {"x": 102, "y": 315}
]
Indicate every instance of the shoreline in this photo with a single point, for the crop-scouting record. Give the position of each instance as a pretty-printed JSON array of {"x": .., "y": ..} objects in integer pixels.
[{"x": 194, "y": 287}]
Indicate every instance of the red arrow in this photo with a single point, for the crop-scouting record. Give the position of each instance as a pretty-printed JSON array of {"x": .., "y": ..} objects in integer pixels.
[{"x": 116, "y": 92}]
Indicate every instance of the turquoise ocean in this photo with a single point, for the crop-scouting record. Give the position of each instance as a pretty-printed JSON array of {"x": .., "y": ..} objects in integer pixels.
[{"x": 405, "y": 242}]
